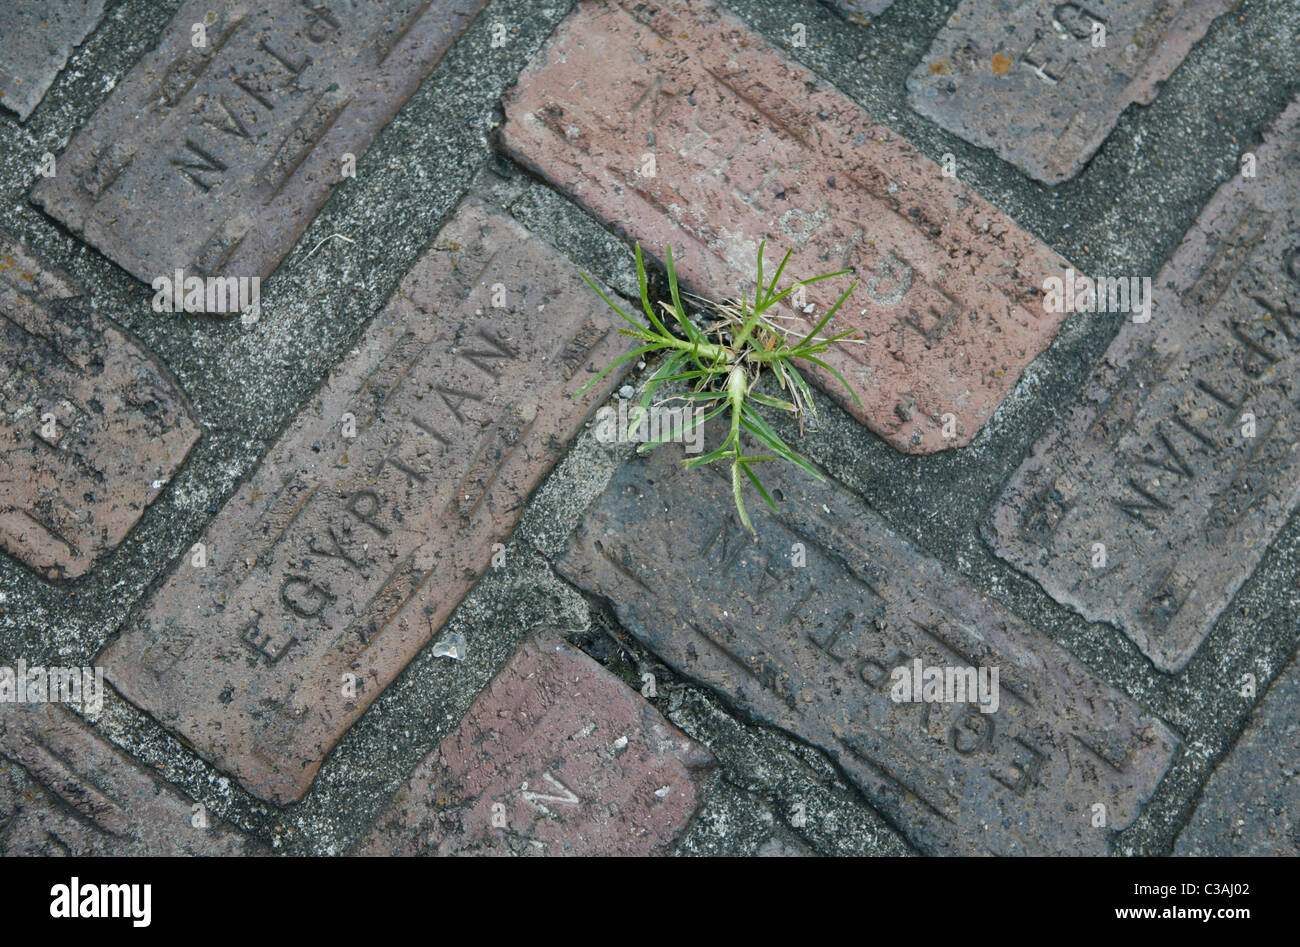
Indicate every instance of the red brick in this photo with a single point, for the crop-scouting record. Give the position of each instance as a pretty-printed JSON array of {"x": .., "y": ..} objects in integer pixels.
[
  {"x": 122, "y": 427},
  {"x": 39, "y": 36},
  {"x": 802, "y": 627},
  {"x": 215, "y": 159},
  {"x": 748, "y": 145},
  {"x": 1025, "y": 79},
  {"x": 345, "y": 556},
  {"x": 1152, "y": 461},
  {"x": 66, "y": 791},
  {"x": 567, "y": 758}
]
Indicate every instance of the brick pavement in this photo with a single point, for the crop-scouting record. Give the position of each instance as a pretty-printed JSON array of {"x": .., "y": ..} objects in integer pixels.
[{"x": 362, "y": 578}]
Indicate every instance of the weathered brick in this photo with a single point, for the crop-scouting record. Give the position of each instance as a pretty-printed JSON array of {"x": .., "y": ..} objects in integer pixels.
[
  {"x": 343, "y": 556},
  {"x": 811, "y": 647},
  {"x": 214, "y": 159},
  {"x": 749, "y": 145},
  {"x": 1024, "y": 78},
  {"x": 556, "y": 757},
  {"x": 1153, "y": 462},
  {"x": 91, "y": 426},
  {"x": 66, "y": 791},
  {"x": 36, "y": 39},
  {"x": 1251, "y": 805}
]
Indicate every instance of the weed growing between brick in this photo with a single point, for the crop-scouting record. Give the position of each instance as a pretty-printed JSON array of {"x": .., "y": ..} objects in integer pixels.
[{"x": 725, "y": 361}]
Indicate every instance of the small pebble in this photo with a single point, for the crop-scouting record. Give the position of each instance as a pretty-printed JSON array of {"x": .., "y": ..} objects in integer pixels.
[
  {"x": 626, "y": 392},
  {"x": 452, "y": 647}
]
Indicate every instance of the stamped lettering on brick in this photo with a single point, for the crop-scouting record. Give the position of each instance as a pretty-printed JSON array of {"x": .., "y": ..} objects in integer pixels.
[
  {"x": 1042, "y": 83},
  {"x": 36, "y": 39},
  {"x": 342, "y": 556},
  {"x": 556, "y": 757},
  {"x": 214, "y": 159},
  {"x": 811, "y": 647},
  {"x": 91, "y": 427},
  {"x": 1158, "y": 461},
  {"x": 65, "y": 791},
  {"x": 749, "y": 145}
]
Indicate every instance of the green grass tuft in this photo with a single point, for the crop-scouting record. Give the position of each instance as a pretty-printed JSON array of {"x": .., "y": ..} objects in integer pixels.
[{"x": 725, "y": 362}]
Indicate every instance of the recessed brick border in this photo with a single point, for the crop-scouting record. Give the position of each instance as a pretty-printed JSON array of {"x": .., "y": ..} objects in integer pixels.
[
  {"x": 676, "y": 123},
  {"x": 1027, "y": 80},
  {"x": 555, "y": 757},
  {"x": 213, "y": 159},
  {"x": 64, "y": 790},
  {"x": 92, "y": 426},
  {"x": 1154, "y": 497},
  {"x": 343, "y": 555},
  {"x": 803, "y": 628}
]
